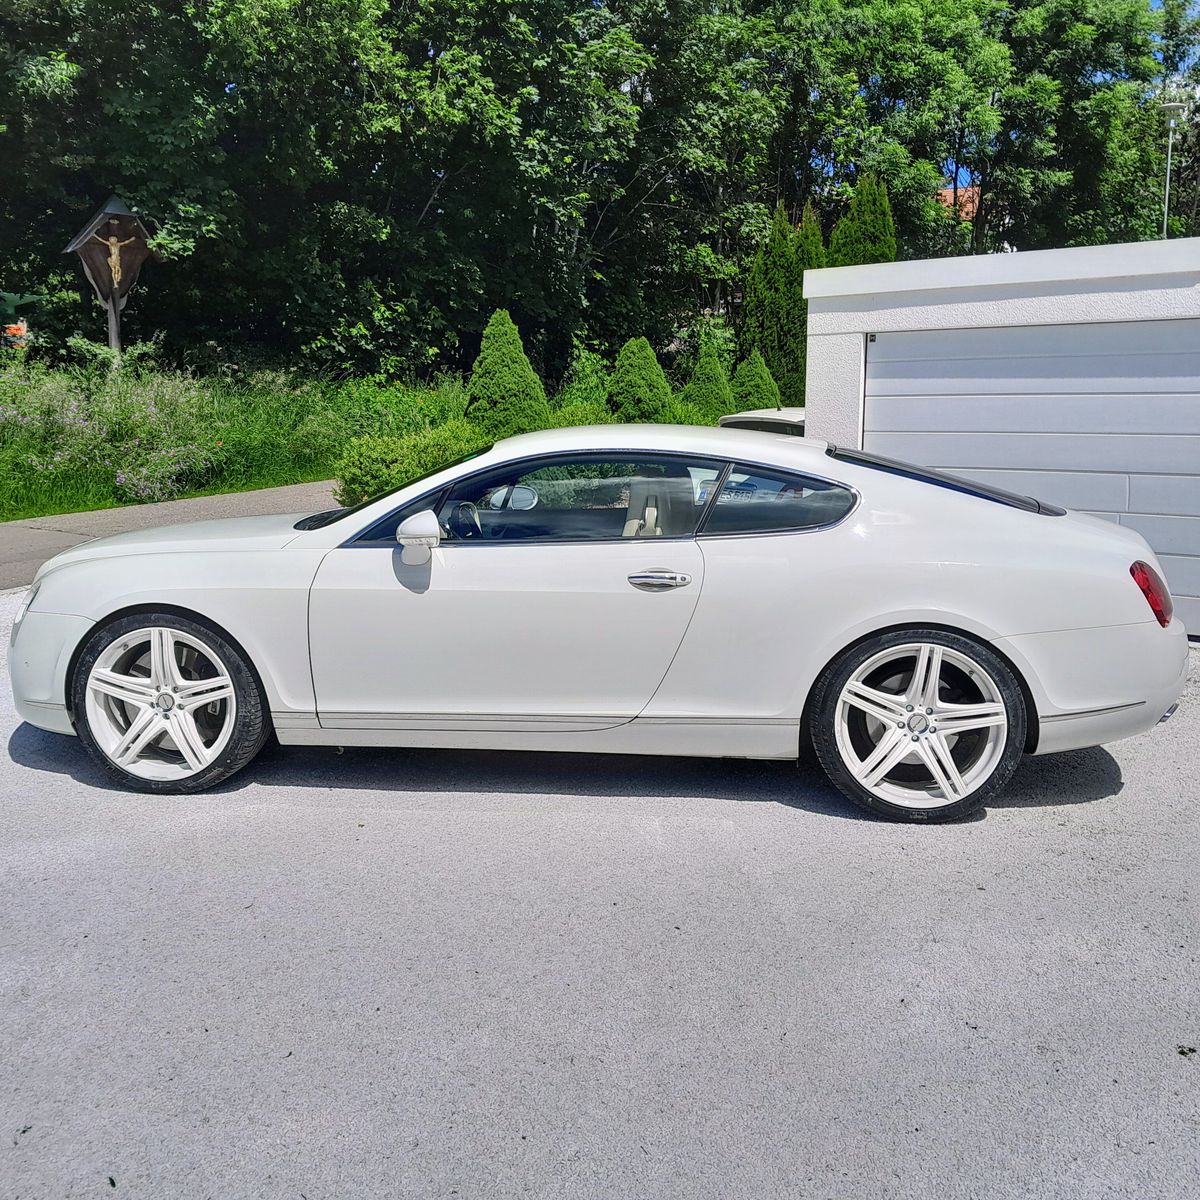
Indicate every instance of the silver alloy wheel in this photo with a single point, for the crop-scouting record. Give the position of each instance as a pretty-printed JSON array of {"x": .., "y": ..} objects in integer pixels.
[
  {"x": 160, "y": 703},
  {"x": 921, "y": 725}
]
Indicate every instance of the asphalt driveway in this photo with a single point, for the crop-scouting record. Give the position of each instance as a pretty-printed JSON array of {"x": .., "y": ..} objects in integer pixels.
[
  {"x": 25, "y": 545},
  {"x": 434, "y": 974}
]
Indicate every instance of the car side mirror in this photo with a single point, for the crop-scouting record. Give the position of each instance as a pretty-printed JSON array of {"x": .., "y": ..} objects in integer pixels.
[{"x": 418, "y": 534}]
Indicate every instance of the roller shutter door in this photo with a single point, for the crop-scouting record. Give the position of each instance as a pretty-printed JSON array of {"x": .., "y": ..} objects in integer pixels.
[{"x": 1104, "y": 418}]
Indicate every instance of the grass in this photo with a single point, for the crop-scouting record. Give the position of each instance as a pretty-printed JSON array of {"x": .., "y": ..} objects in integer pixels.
[{"x": 79, "y": 439}]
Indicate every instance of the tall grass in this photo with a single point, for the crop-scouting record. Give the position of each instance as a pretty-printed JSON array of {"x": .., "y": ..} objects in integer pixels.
[{"x": 85, "y": 438}]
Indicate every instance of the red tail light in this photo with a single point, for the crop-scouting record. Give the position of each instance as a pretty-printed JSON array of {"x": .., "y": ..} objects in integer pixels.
[{"x": 1155, "y": 591}]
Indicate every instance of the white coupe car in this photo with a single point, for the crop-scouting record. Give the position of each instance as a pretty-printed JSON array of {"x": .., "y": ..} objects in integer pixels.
[{"x": 623, "y": 589}]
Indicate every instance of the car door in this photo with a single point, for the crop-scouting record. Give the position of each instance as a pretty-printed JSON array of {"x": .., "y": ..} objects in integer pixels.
[
  {"x": 775, "y": 543},
  {"x": 556, "y": 599}
]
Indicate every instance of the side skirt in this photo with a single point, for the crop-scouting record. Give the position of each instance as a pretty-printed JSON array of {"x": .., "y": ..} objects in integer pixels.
[{"x": 686, "y": 737}]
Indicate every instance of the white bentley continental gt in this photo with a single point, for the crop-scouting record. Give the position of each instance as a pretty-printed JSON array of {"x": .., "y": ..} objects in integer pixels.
[{"x": 633, "y": 589}]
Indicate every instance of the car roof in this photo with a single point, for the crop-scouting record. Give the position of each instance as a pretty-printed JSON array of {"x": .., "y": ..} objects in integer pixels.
[
  {"x": 718, "y": 441},
  {"x": 781, "y": 416}
]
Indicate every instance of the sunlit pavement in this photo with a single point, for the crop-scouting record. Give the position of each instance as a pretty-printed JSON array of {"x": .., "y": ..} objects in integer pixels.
[{"x": 412, "y": 974}]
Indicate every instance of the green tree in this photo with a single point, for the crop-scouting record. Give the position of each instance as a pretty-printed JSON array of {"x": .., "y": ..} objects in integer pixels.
[
  {"x": 637, "y": 389},
  {"x": 753, "y": 386},
  {"x": 772, "y": 320},
  {"x": 505, "y": 395},
  {"x": 866, "y": 233},
  {"x": 708, "y": 390}
]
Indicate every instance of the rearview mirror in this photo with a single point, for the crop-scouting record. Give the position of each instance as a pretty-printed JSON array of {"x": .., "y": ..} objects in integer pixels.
[{"x": 418, "y": 534}]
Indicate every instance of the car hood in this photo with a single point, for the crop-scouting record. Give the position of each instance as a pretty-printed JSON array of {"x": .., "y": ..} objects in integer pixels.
[{"x": 230, "y": 534}]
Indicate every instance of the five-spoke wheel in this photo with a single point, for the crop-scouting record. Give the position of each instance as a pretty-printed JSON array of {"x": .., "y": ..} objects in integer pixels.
[
  {"x": 921, "y": 724},
  {"x": 168, "y": 702}
]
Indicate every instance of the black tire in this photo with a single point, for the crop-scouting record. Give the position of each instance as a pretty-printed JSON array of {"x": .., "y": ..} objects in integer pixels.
[
  {"x": 251, "y": 722},
  {"x": 822, "y": 715}
]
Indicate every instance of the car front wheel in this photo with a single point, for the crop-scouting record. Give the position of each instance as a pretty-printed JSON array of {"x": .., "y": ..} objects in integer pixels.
[
  {"x": 919, "y": 725},
  {"x": 166, "y": 704}
]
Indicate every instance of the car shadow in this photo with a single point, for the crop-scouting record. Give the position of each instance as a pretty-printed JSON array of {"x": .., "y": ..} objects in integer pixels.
[{"x": 1076, "y": 778}]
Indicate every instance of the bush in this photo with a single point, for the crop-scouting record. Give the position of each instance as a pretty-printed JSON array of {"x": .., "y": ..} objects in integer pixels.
[
  {"x": 680, "y": 413},
  {"x": 753, "y": 386},
  {"x": 638, "y": 389},
  {"x": 92, "y": 437},
  {"x": 373, "y": 465},
  {"x": 586, "y": 381},
  {"x": 505, "y": 395},
  {"x": 709, "y": 391},
  {"x": 583, "y": 413}
]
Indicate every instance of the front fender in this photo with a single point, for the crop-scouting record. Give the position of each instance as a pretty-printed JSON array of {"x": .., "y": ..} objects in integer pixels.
[{"x": 259, "y": 598}]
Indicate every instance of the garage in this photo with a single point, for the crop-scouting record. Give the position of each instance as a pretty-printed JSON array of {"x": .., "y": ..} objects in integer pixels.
[{"x": 1101, "y": 415}]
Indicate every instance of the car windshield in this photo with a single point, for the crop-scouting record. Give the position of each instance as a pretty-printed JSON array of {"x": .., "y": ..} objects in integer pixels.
[{"x": 329, "y": 516}]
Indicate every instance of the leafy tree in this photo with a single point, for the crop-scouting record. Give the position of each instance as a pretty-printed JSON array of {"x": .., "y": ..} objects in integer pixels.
[
  {"x": 867, "y": 233},
  {"x": 505, "y": 395},
  {"x": 708, "y": 390},
  {"x": 363, "y": 182},
  {"x": 638, "y": 390},
  {"x": 753, "y": 386}
]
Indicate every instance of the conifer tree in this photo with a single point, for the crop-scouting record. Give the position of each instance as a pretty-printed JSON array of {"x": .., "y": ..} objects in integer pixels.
[
  {"x": 753, "y": 386},
  {"x": 504, "y": 394},
  {"x": 772, "y": 319},
  {"x": 708, "y": 390},
  {"x": 637, "y": 389},
  {"x": 866, "y": 233}
]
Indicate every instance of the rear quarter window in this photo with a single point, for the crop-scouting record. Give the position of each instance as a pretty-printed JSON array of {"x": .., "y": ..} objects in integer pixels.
[{"x": 758, "y": 500}]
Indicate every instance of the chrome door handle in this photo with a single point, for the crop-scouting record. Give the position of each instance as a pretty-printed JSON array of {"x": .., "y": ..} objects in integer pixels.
[{"x": 658, "y": 579}]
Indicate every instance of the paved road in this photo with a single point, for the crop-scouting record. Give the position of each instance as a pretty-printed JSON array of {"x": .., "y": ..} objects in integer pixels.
[
  {"x": 25, "y": 545},
  {"x": 431, "y": 974}
]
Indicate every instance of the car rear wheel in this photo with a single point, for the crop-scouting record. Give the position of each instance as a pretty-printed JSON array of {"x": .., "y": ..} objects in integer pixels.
[
  {"x": 166, "y": 704},
  {"x": 919, "y": 725}
]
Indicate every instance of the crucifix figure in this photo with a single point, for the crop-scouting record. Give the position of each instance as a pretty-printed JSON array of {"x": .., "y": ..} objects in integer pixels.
[{"x": 114, "y": 256}]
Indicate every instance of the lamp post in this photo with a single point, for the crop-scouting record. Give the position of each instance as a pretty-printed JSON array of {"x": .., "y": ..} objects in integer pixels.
[{"x": 1174, "y": 110}]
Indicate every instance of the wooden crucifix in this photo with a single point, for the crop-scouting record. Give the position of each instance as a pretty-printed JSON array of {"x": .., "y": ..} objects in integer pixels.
[{"x": 112, "y": 247}]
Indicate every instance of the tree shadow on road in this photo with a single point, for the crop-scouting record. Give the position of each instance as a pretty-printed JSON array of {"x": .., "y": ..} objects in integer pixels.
[{"x": 1075, "y": 778}]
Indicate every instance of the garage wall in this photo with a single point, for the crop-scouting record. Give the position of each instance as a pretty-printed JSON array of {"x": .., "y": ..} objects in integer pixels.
[{"x": 1103, "y": 417}]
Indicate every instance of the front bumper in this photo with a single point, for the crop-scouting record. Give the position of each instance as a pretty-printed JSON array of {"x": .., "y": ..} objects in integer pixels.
[
  {"x": 38, "y": 661},
  {"x": 1093, "y": 686}
]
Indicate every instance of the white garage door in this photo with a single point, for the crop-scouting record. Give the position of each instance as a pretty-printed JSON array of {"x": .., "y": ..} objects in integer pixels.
[{"x": 1104, "y": 418}]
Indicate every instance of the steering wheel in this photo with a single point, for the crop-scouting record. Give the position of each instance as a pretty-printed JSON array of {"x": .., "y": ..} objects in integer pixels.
[{"x": 464, "y": 521}]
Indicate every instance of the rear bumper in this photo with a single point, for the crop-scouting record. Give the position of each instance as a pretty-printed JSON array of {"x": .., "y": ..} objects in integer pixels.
[
  {"x": 38, "y": 662},
  {"x": 1092, "y": 686}
]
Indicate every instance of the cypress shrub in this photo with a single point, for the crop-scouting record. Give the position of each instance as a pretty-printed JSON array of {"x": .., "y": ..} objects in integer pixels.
[
  {"x": 708, "y": 390},
  {"x": 638, "y": 389},
  {"x": 753, "y": 386},
  {"x": 504, "y": 394},
  {"x": 867, "y": 233}
]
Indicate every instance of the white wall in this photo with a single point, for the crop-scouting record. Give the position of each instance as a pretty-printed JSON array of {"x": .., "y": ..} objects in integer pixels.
[{"x": 1138, "y": 281}]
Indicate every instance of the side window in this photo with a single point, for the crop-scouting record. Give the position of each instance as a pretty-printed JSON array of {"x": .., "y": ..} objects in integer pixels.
[
  {"x": 585, "y": 498},
  {"x": 755, "y": 500}
]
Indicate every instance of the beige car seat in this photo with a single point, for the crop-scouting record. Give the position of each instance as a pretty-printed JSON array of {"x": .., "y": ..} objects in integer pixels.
[{"x": 658, "y": 507}]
